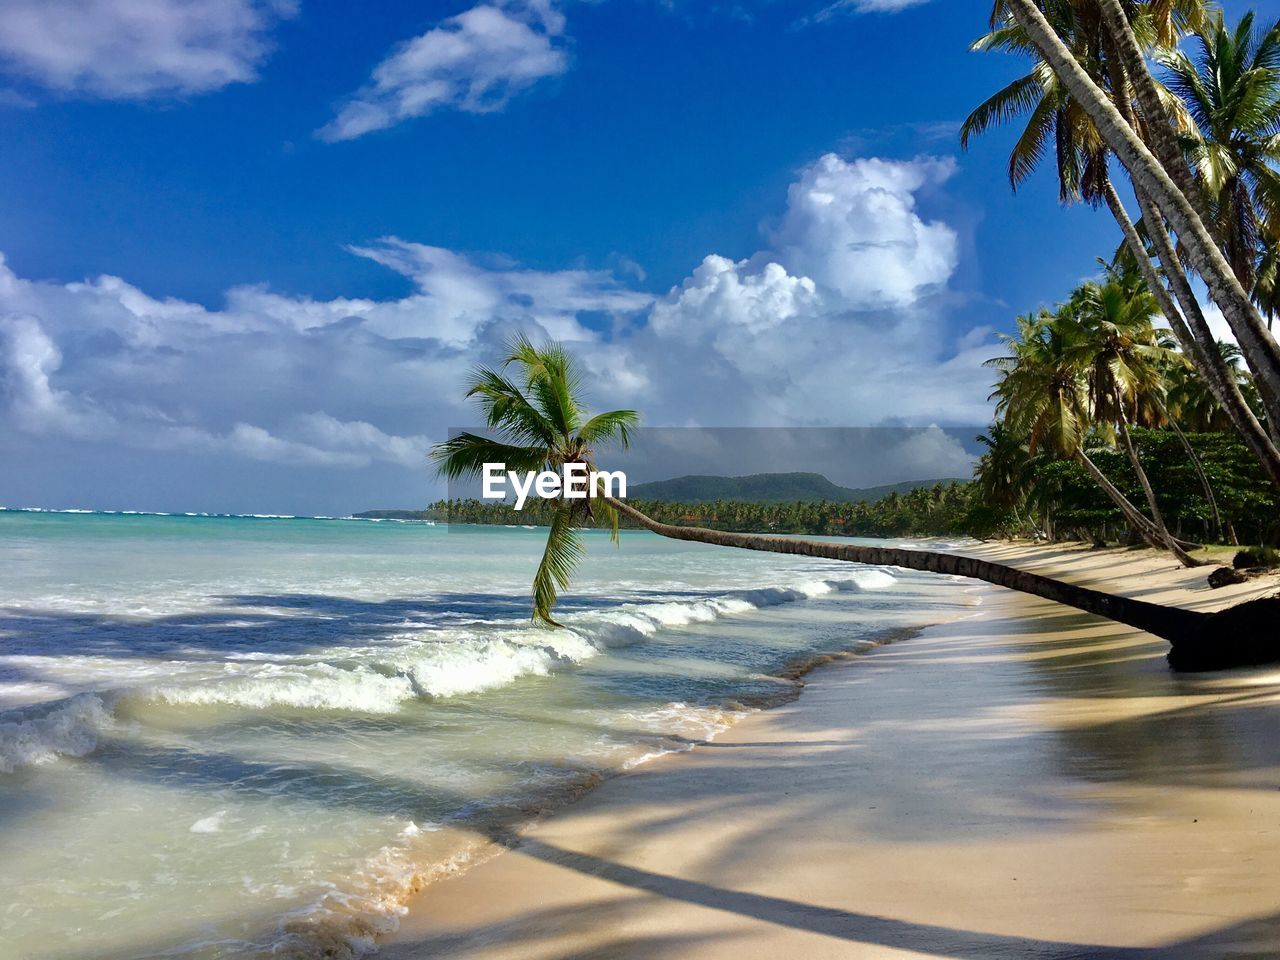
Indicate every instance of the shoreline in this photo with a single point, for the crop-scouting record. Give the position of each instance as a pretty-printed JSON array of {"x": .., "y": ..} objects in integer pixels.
[
  {"x": 481, "y": 839},
  {"x": 670, "y": 847}
]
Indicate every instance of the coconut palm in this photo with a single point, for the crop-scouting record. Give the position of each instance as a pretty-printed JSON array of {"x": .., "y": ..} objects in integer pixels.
[
  {"x": 1082, "y": 160},
  {"x": 1231, "y": 88},
  {"x": 539, "y": 421},
  {"x": 1116, "y": 345},
  {"x": 1153, "y": 181},
  {"x": 1005, "y": 472},
  {"x": 1055, "y": 122},
  {"x": 1043, "y": 395},
  {"x": 543, "y": 426}
]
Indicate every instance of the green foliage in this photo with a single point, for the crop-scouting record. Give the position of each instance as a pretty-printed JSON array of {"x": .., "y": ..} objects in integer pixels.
[
  {"x": 1251, "y": 557},
  {"x": 540, "y": 424},
  {"x": 766, "y": 488},
  {"x": 938, "y": 511}
]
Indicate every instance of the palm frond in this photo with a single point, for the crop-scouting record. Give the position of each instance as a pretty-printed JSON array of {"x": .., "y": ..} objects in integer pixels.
[
  {"x": 613, "y": 425},
  {"x": 1014, "y": 100},
  {"x": 507, "y": 408},
  {"x": 465, "y": 455},
  {"x": 562, "y": 554}
]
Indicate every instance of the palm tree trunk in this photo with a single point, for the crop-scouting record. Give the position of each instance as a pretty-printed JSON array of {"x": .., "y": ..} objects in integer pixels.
[
  {"x": 1200, "y": 641},
  {"x": 1161, "y": 527},
  {"x": 1199, "y": 346},
  {"x": 1140, "y": 525},
  {"x": 1198, "y": 464},
  {"x": 1259, "y": 347},
  {"x": 1123, "y": 44},
  {"x": 1204, "y": 349}
]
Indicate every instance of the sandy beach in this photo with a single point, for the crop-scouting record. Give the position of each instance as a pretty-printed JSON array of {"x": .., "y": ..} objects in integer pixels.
[{"x": 1028, "y": 781}]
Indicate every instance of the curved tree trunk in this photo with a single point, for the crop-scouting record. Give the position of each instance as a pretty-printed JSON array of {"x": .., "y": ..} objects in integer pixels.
[
  {"x": 1149, "y": 176},
  {"x": 1198, "y": 465},
  {"x": 1200, "y": 346},
  {"x": 1159, "y": 130},
  {"x": 1137, "y": 521},
  {"x": 1200, "y": 641},
  {"x": 1220, "y": 379},
  {"x": 1147, "y": 491}
]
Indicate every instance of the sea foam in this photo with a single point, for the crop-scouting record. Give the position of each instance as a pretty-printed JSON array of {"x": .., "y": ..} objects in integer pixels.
[
  {"x": 455, "y": 662},
  {"x": 69, "y": 730}
]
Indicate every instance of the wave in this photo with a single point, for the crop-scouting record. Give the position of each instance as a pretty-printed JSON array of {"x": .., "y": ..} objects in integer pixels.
[
  {"x": 454, "y": 662},
  {"x": 421, "y": 664},
  {"x": 316, "y": 686},
  {"x": 69, "y": 730}
]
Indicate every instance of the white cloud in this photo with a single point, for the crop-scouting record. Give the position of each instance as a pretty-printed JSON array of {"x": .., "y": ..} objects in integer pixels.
[
  {"x": 854, "y": 228},
  {"x": 27, "y": 360},
  {"x": 261, "y": 379},
  {"x": 864, "y": 6},
  {"x": 474, "y": 62},
  {"x": 839, "y": 320},
  {"x": 126, "y": 49}
]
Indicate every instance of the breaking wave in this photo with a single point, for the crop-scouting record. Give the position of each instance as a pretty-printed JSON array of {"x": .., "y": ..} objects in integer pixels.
[
  {"x": 429, "y": 664},
  {"x": 69, "y": 730}
]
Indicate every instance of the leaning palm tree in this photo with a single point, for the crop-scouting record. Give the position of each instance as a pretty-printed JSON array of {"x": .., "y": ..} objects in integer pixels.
[
  {"x": 1118, "y": 348},
  {"x": 1042, "y": 394},
  {"x": 1055, "y": 119},
  {"x": 544, "y": 427},
  {"x": 1157, "y": 177},
  {"x": 539, "y": 421}
]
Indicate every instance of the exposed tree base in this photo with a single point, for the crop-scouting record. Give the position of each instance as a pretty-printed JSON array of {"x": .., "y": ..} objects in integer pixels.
[{"x": 1246, "y": 635}]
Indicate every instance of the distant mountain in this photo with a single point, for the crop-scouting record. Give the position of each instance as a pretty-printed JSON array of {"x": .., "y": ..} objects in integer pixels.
[{"x": 767, "y": 488}]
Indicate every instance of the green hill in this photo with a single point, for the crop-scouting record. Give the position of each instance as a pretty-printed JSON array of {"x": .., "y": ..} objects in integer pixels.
[{"x": 766, "y": 488}]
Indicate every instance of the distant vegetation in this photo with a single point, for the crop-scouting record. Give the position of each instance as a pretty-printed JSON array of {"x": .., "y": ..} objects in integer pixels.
[
  {"x": 769, "y": 488},
  {"x": 1064, "y": 502}
]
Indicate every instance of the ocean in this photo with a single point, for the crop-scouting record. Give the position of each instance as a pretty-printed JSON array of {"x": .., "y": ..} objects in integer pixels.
[{"x": 226, "y": 737}]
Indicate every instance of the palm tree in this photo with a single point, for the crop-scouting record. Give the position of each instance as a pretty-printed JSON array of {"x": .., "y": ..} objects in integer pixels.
[
  {"x": 1154, "y": 182},
  {"x": 539, "y": 422},
  {"x": 1082, "y": 160},
  {"x": 1232, "y": 91},
  {"x": 1043, "y": 395},
  {"x": 1117, "y": 347},
  {"x": 1055, "y": 122},
  {"x": 544, "y": 427},
  {"x": 1005, "y": 472}
]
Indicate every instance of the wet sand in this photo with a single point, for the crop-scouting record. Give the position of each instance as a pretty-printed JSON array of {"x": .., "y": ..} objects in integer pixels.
[{"x": 1030, "y": 782}]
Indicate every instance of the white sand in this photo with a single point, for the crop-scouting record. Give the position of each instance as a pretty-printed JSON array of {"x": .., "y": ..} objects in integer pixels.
[{"x": 1030, "y": 783}]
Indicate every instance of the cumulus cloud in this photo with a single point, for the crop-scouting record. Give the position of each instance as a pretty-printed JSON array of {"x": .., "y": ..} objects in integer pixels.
[
  {"x": 102, "y": 361},
  {"x": 123, "y": 49},
  {"x": 474, "y": 62},
  {"x": 854, "y": 228},
  {"x": 838, "y": 320}
]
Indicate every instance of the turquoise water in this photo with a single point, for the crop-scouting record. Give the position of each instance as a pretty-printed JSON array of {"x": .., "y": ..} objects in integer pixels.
[{"x": 234, "y": 736}]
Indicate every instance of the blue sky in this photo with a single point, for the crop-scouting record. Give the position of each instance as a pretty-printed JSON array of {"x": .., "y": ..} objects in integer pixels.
[{"x": 251, "y": 247}]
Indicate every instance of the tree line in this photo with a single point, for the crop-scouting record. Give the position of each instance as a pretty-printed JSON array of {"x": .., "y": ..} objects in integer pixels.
[{"x": 1063, "y": 503}]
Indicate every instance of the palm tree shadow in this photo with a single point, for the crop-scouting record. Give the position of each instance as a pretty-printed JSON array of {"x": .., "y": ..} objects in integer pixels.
[{"x": 851, "y": 926}]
